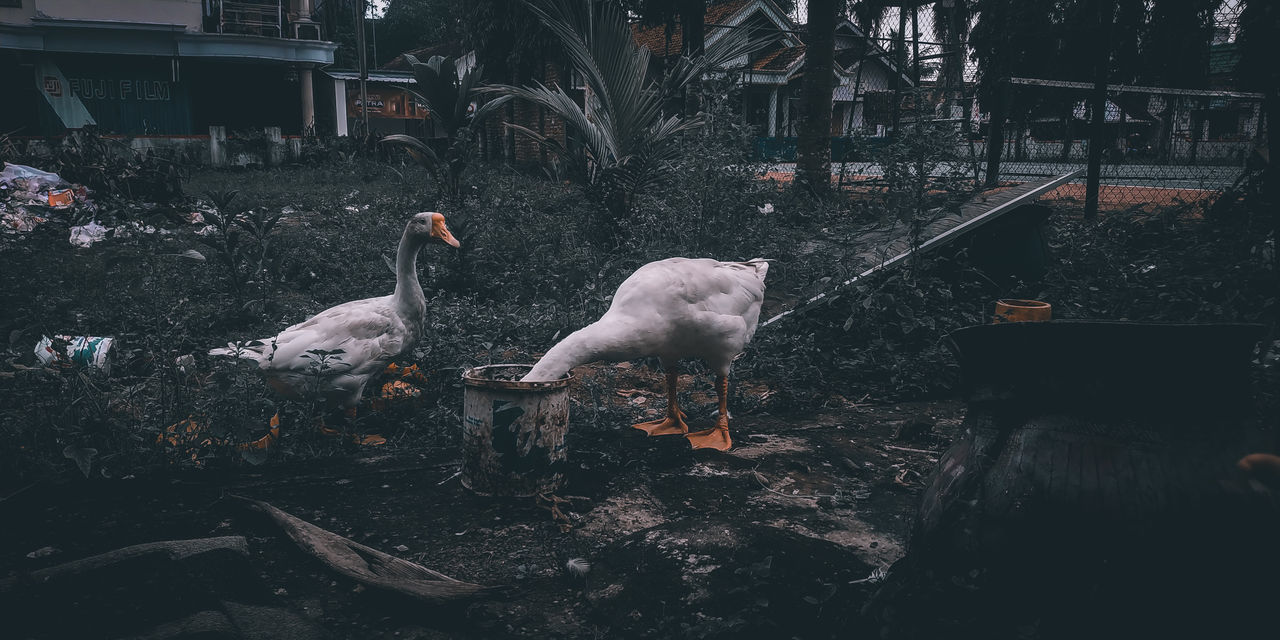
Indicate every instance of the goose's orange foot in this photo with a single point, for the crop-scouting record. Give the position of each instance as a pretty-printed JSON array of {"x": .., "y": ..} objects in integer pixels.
[
  {"x": 716, "y": 437},
  {"x": 667, "y": 426}
]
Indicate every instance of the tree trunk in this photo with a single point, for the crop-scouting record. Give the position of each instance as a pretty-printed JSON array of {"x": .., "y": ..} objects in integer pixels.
[
  {"x": 995, "y": 134},
  {"x": 1098, "y": 110},
  {"x": 813, "y": 151},
  {"x": 1067, "y": 118},
  {"x": 692, "y": 18},
  {"x": 1271, "y": 174},
  {"x": 1197, "y": 123}
]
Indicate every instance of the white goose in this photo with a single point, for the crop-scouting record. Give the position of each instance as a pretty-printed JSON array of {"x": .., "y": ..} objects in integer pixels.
[
  {"x": 674, "y": 308},
  {"x": 370, "y": 333}
]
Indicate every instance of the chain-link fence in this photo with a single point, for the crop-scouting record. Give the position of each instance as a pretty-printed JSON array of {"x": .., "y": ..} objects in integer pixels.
[
  {"x": 1159, "y": 145},
  {"x": 914, "y": 70}
]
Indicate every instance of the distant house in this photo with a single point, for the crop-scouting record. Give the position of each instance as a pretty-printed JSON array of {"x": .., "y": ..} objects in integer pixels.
[
  {"x": 161, "y": 67},
  {"x": 866, "y": 80},
  {"x": 864, "y": 73}
]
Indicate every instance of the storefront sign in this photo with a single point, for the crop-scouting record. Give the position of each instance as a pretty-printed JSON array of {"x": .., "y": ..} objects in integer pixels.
[{"x": 146, "y": 90}]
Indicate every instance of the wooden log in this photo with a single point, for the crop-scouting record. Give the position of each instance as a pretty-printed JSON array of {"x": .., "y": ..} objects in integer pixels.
[
  {"x": 367, "y": 565},
  {"x": 171, "y": 550}
]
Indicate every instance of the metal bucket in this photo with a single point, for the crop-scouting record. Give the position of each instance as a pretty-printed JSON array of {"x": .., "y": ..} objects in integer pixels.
[{"x": 513, "y": 433}]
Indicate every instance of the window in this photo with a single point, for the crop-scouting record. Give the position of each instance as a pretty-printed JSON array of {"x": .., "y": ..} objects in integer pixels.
[{"x": 10, "y": 3}]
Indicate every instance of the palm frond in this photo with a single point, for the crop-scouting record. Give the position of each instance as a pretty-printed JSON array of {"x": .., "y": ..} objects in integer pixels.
[
  {"x": 620, "y": 126},
  {"x": 417, "y": 149}
]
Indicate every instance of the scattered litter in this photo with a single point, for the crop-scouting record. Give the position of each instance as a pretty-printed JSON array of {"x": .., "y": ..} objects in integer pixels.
[
  {"x": 89, "y": 351},
  {"x": 19, "y": 219},
  {"x": 401, "y": 548},
  {"x": 130, "y": 228},
  {"x": 876, "y": 576},
  {"x": 22, "y": 177},
  {"x": 85, "y": 235},
  {"x": 61, "y": 198},
  {"x": 28, "y": 195},
  {"x": 766, "y": 209}
]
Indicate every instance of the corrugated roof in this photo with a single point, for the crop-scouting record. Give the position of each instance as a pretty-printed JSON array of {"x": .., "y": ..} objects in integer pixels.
[
  {"x": 374, "y": 76},
  {"x": 779, "y": 59},
  {"x": 655, "y": 38}
]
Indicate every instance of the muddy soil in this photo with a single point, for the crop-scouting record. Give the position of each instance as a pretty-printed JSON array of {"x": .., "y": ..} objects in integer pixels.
[{"x": 774, "y": 538}]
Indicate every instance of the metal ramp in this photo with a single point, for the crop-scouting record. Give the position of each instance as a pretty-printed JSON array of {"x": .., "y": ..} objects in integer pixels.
[{"x": 885, "y": 247}]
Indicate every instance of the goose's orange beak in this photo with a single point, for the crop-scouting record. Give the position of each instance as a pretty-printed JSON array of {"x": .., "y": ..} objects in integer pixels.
[{"x": 439, "y": 230}]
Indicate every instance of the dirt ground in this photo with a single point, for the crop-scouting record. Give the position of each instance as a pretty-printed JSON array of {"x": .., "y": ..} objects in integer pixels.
[{"x": 774, "y": 538}]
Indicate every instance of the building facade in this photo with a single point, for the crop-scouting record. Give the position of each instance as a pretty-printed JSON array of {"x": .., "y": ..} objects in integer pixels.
[{"x": 161, "y": 67}]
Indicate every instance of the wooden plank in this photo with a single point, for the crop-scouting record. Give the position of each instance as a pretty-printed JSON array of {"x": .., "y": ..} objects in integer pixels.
[
  {"x": 1113, "y": 499},
  {"x": 1090, "y": 491},
  {"x": 1002, "y": 479},
  {"x": 1070, "y": 489},
  {"x": 1157, "y": 461},
  {"x": 983, "y": 209},
  {"x": 1032, "y": 476},
  {"x": 1059, "y": 476}
]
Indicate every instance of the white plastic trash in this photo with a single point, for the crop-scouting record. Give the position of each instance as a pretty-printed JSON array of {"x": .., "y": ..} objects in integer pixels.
[
  {"x": 85, "y": 235},
  {"x": 89, "y": 351},
  {"x": 35, "y": 179}
]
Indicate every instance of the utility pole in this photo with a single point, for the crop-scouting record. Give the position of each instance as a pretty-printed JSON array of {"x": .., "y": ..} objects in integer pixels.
[{"x": 361, "y": 8}]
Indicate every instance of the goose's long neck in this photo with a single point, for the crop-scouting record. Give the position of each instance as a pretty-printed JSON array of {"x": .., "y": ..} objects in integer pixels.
[
  {"x": 408, "y": 295},
  {"x": 606, "y": 339}
]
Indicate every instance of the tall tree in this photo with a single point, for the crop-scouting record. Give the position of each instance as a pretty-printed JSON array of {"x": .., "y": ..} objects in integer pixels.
[
  {"x": 951, "y": 20},
  {"x": 692, "y": 18},
  {"x": 1010, "y": 38},
  {"x": 412, "y": 24},
  {"x": 1178, "y": 35},
  {"x": 813, "y": 149},
  {"x": 1258, "y": 71},
  {"x": 1175, "y": 53}
]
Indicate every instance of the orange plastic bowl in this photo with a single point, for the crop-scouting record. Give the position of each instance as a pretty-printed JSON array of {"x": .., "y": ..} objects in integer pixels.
[{"x": 1010, "y": 310}]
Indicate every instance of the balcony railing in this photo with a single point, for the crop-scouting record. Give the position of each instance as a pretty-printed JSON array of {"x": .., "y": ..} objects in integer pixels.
[{"x": 260, "y": 18}]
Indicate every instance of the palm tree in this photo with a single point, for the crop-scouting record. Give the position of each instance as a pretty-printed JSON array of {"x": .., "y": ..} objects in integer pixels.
[
  {"x": 623, "y": 141},
  {"x": 813, "y": 149},
  {"x": 451, "y": 103}
]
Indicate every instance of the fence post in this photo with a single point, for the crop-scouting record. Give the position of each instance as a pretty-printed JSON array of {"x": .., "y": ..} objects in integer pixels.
[
  {"x": 1098, "y": 115},
  {"x": 275, "y": 147},
  {"x": 217, "y": 146},
  {"x": 995, "y": 134}
]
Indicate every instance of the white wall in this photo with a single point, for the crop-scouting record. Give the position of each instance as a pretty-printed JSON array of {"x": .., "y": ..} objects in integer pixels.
[
  {"x": 183, "y": 12},
  {"x": 18, "y": 15}
]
